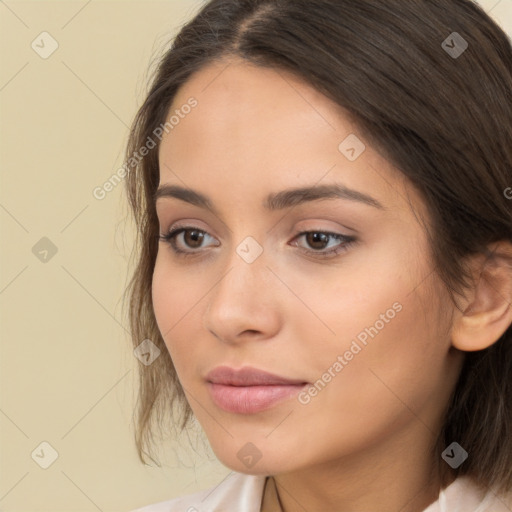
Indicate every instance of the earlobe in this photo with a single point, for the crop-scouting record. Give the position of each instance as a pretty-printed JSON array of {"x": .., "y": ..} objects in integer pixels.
[{"x": 488, "y": 313}]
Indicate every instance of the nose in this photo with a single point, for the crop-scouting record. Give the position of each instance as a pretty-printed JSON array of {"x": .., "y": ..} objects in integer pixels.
[{"x": 244, "y": 303}]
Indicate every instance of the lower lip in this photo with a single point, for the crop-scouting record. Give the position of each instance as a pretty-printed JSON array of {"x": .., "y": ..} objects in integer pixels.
[{"x": 251, "y": 399}]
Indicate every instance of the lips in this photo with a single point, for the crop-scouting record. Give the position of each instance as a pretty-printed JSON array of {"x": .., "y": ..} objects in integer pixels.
[
  {"x": 249, "y": 390},
  {"x": 248, "y": 376}
]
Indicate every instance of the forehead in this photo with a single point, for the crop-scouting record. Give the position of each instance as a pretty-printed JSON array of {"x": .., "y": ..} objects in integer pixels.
[
  {"x": 254, "y": 129},
  {"x": 243, "y": 106},
  {"x": 234, "y": 81}
]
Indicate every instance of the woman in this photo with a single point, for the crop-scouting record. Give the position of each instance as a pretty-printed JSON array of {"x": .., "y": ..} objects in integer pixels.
[{"x": 324, "y": 257}]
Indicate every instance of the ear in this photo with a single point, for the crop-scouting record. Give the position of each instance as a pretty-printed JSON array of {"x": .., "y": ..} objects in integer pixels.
[{"x": 485, "y": 312}]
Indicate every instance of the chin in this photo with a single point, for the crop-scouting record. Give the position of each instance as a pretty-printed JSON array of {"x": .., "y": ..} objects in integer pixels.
[{"x": 263, "y": 466}]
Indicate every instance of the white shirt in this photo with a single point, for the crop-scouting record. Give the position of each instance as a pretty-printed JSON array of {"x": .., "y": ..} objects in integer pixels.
[{"x": 239, "y": 492}]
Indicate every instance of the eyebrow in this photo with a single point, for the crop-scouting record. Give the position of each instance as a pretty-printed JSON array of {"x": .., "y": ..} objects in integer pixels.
[{"x": 276, "y": 201}]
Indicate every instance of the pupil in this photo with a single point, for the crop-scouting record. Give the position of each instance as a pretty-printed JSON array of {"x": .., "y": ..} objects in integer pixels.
[
  {"x": 196, "y": 236},
  {"x": 317, "y": 237}
]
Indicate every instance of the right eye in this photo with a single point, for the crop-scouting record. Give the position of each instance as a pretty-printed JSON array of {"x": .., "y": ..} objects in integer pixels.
[{"x": 193, "y": 237}]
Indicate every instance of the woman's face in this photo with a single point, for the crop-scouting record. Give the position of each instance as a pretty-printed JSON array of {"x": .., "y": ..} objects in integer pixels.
[{"x": 357, "y": 318}]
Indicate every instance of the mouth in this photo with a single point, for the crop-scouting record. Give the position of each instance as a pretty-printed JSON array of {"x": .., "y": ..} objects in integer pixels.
[
  {"x": 251, "y": 399},
  {"x": 249, "y": 390}
]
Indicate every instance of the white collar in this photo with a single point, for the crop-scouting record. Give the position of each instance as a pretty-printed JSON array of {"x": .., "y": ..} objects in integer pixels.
[{"x": 239, "y": 492}]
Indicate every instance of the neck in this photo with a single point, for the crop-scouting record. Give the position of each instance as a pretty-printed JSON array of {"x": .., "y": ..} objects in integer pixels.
[{"x": 390, "y": 479}]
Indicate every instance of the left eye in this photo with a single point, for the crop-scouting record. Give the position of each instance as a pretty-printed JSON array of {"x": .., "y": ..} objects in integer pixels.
[{"x": 318, "y": 240}]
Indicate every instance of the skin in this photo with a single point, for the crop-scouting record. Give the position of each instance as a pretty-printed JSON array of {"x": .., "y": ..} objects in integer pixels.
[{"x": 364, "y": 442}]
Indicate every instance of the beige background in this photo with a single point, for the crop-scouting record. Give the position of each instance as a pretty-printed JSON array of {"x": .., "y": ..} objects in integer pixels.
[{"x": 67, "y": 371}]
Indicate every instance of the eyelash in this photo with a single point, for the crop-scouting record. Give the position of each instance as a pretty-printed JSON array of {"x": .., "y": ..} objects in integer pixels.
[{"x": 169, "y": 238}]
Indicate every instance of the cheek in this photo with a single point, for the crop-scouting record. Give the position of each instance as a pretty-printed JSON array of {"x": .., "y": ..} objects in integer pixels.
[
  {"x": 173, "y": 303},
  {"x": 163, "y": 297},
  {"x": 345, "y": 300},
  {"x": 374, "y": 317}
]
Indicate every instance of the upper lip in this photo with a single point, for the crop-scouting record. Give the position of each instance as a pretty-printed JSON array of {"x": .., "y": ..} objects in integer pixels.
[{"x": 247, "y": 376}]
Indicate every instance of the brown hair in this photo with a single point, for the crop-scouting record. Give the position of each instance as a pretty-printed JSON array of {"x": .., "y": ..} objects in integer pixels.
[{"x": 444, "y": 120}]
